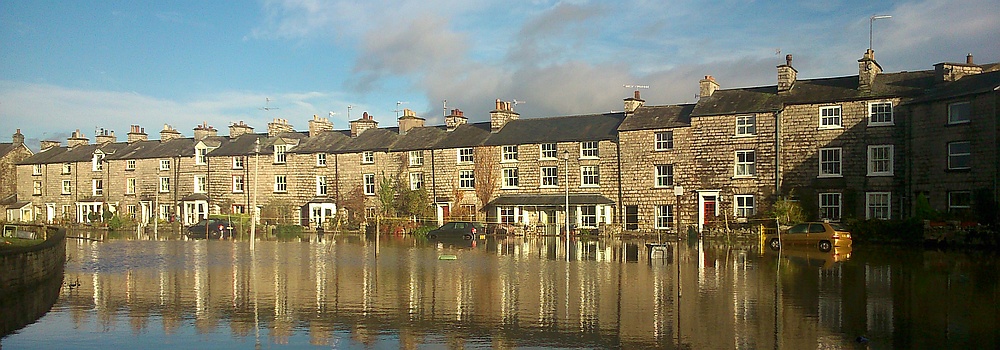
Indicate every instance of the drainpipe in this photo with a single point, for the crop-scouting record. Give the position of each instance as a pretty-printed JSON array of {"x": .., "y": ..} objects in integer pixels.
[
  {"x": 434, "y": 187},
  {"x": 777, "y": 152},
  {"x": 619, "y": 218}
]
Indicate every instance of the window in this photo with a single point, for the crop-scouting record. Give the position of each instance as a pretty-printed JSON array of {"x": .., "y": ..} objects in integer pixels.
[
  {"x": 199, "y": 155},
  {"x": 200, "y": 184},
  {"x": 664, "y": 175},
  {"x": 664, "y": 216},
  {"x": 510, "y": 179},
  {"x": 67, "y": 186},
  {"x": 880, "y": 113},
  {"x": 320, "y": 185},
  {"x": 959, "y": 155},
  {"x": 746, "y": 125},
  {"x": 130, "y": 164},
  {"x": 98, "y": 187},
  {"x": 130, "y": 185},
  {"x": 320, "y": 159},
  {"x": 507, "y": 214},
  {"x": 880, "y": 160},
  {"x": 237, "y": 162},
  {"x": 465, "y": 155},
  {"x": 878, "y": 205},
  {"x": 164, "y": 184},
  {"x": 279, "y": 154},
  {"x": 509, "y": 153},
  {"x": 744, "y": 205},
  {"x": 164, "y": 164},
  {"x": 238, "y": 184},
  {"x": 416, "y": 181},
  {"x": 745, "y": 164},
  {"x": 829, "y": 117},
  {"x": 68, "y": 168},
  {"x": 959, "y": 112},
  {"x": 590, "y": 176},
  {"x": 36, "y": 187},
  {"x": 829, "y": 206},
  {"x": 588, "y": 216},
  {"x": 239, "y": 209},
  {"x": 416, "y": 158},
  {"x": 664, "y": 141},
  {"x": 368, "y": 157},
  {"x": 370, "y": 212},
  {"x": 98, "y": 162},
  {"x": 829, "y": 162},
  {"x": 466, "y": 179},
  {"x": 588, "y": 149},
  {"x": 548, "y": 151},
  {"x": 36, "y": 169},
  {"x": 280, "y": 183},
  {"x": 550, "y": 176},
  {"x": 130, "y": 210},
  {"x": 631, "y": 217},
  {"x": 369, "y": 184},
  {"x": 164, "y": 211},
  {"x": 959, "y": 202}
]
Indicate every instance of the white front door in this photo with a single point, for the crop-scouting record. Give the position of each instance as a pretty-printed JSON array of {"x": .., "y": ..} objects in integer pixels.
[{"x": 50, "y": 212}]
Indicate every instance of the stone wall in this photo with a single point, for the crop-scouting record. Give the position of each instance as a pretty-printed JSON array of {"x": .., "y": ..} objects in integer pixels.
[{"x": 28, "y": 266}]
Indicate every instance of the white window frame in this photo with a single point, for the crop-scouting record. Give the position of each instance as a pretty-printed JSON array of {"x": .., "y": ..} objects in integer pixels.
[
  {"x": 664, "y": 176},
  {"x": 590, "y": 149},
  {"x": 416, "y": 158},
  {"x": 746, "y": 125},
  {"x": 368, "y": 184},
  {"x": 36, "y": 169},
  {"x": 952, "y": 115},
  {"x": 588, "y": 216},
  {"x": 466, "y": 179},
  {"x": 465, "y": 155},
  {"x": 280, "y": 156},
  {"x": 831, "y": 117},
  {"x": 164, "y": 164},
  {"x": 745, "y": 168},
  {"x": 239, "y": 184},
  {"x": 238, "y": 162},
  {"x": 368, "y": 157},
  {"x": 664, "y": 217},
  {"x": 956, "y": 154},
  {"x": 130, "y": 185},
  {"x": 97, "y": 187},
  {"x": 549, "y": 176},
  {"x": 510, "y": 178},
  {"x": 164, "y": 184},
  {"x": 880, "y": 113},
  {"x": 36, "y": 187},
  {"x": 875, "y": 164},
  {"x": 200, "y": 184},
  {"x": 874, "y": 207},
  {"x": 744, "y": 205},
  {"x": 959, "y": 207},
  {"x": 590, "y": 176},
  {"x": 67, "y": 186},
  {"x": 830, "y": 202},
  {"x": 67, "y": 168},
  {"x": 321, "y": 187},
  {"x": 506, "y": 214},
  {"x": 416, "y": 181},
  {"x": 508, "y": 153},
  {"x": 663, "y": 140},
  {"x": 200, "y": 155},
  {"x": 97, "y": 162},
  {"x": 831, "y": 162},
  {"x": 321, "y": 159},
  {"x": 548, "y": 151},
  {"x": 130, "y": 164},
  {"x": 280, "y": 183}
]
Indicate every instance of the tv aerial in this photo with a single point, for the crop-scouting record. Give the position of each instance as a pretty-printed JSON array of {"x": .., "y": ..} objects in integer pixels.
[{"x": 267, "y": 103}]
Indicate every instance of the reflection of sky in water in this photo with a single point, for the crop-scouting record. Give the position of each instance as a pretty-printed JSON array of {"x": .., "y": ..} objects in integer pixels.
[{"x": 513, "y": 292}]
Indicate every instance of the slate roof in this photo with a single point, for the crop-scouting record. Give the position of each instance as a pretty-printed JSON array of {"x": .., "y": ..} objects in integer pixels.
[
  {"x": 323, "y": 142},
  {"x": 244, "y": 144},
  {"x": 655, "y": 117},
  {"x": 465, "y": 135},
  {"x": 967, "y": 85},
  {"x": 83, "y": 153},
  {"x": 7, "y": 147},
  {"x": 370, "y": 140},
  {"x": 592, "y": 127},
  {"x": 422, "y": 138}
]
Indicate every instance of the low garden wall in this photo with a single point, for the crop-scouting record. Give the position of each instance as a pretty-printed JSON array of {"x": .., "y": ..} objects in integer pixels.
[{"x": 27, "y": 267}]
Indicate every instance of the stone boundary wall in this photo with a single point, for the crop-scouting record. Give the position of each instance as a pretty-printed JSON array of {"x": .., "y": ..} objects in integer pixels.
[{"x": 29, "y": 266}]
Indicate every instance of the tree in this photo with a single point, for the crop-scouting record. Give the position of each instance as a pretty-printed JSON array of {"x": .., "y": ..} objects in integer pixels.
[
  {"x": 485, "y": 170},
  {"x": 354, "y": 202}
]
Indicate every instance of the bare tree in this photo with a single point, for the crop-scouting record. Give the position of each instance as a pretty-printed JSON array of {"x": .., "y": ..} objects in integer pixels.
[{"x": 486, "y": 171}]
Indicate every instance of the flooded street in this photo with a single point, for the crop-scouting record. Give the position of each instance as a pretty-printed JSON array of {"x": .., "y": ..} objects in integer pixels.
[{"x": 350, "y": 291}]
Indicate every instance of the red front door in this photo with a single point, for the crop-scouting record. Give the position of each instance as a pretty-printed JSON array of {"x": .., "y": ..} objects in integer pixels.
[{"x": 709, "y": 210}]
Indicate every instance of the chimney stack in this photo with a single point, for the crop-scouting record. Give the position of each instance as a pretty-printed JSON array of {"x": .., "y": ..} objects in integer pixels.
[
  {"x": 77, "y": 139},
  {"x": 317, "y": 125},
  {"x": 868, "y": 69},
  {"x": 455, "y": 119},
  {"x": 169, "y": 133},
  {"x": 136, "y": 134},
  {"x": 204, "y": 131},
  {"x": 500, "y": 116},
  {"x": 105, "y": 136},
  {"x": 786, "y": 75},
  {"x": 240, "y": 129},
  {"x": 408, "y": 121},
  {"x": 633, "y": 103},
  {"x": 46, "y": 144},
  {"x": 18, "y": 138},
  {"x": 278, "y": 126},
  {"x": 364, "y": 123},
  {"x": 953, "y": 71},
  {"x": 707, "y": 86}
]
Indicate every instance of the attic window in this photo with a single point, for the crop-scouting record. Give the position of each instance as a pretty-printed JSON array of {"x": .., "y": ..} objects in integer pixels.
[
  {"x": 199, "y": 155},
  {"x": 279, "y": 154}
]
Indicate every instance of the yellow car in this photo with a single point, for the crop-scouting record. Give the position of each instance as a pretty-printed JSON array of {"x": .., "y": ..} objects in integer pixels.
[{"x": 822, "y": 235}]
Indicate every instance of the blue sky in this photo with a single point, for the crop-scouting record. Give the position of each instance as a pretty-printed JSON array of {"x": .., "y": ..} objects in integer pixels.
[{"x": 67, "y": 65}]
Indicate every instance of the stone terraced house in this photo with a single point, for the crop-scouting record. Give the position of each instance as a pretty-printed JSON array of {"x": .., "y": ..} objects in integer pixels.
[
  {"x": 870, "y": 145},
  {"x": 10, "y": 154}
]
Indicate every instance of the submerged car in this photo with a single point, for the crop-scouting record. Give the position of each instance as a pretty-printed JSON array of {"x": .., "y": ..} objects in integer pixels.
[
  {"x": 822, "y": 235},
  {"x": 211, "y": 228},
  {"x": 464, "y": 229}
]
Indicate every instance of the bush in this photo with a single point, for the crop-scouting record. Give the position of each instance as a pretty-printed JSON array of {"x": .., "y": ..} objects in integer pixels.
[
  {"x": 116, "y": 223},
  {"x": 887, "y": 231},
  {"x": 421, "y": 231},
  {"x": 287, "y": 231}
]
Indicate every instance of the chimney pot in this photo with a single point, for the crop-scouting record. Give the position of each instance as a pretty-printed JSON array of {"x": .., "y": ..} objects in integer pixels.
[
  {"x": 788, "y": 59},
  {"x": 968, "y": 59}
]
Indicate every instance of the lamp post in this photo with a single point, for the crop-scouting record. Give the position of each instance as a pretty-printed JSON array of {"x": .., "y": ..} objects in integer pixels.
[
  {"x": 678, "y": 191},
  {"x": 566, "y": 178},
  {"x": 871, "y": 23},
  {"x": 253, "y": 197}
]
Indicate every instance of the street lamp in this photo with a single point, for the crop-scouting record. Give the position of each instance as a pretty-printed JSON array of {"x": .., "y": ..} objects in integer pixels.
[
  {"x": 871, "y": 22},
  {"x": 678, "y": 191},
  {"x": 253, "y": 198},
  {"x": 566, "y": 177}
]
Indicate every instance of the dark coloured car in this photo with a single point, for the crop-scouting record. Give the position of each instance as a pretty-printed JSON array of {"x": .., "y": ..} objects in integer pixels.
[
  {"x": 464, "y": 229},
  {"x": 211, "y": 228}
]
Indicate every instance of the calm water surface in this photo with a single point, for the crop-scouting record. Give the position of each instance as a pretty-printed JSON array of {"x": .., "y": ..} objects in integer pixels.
[{"x": 533, "y": 292}]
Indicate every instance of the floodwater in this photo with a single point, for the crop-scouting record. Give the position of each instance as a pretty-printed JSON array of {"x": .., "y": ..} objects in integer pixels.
[{"x": 349, "y": 291}]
